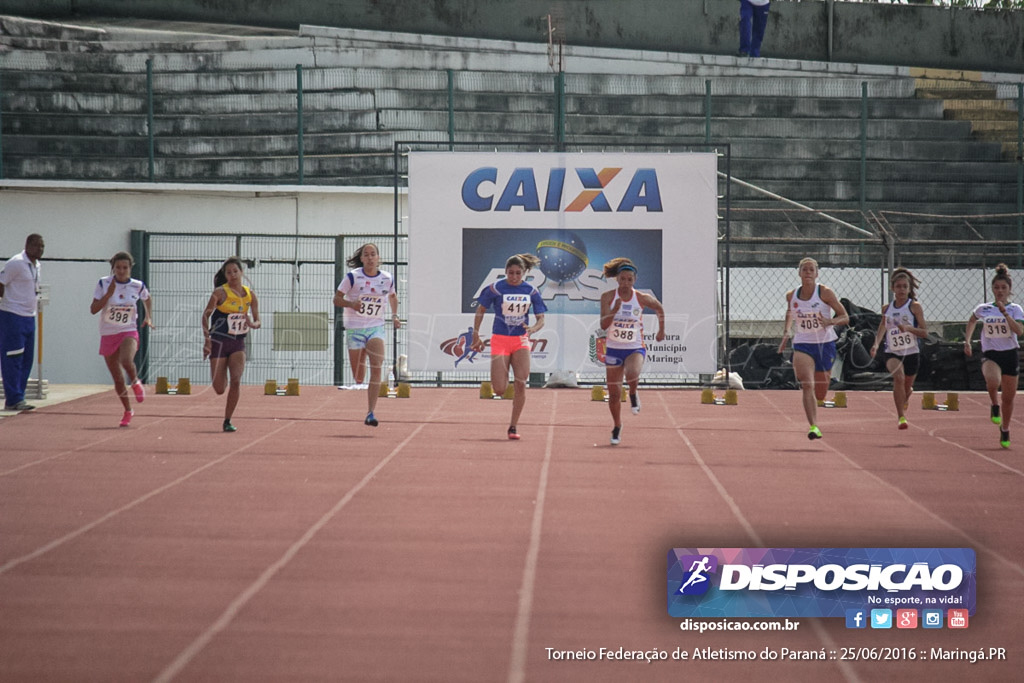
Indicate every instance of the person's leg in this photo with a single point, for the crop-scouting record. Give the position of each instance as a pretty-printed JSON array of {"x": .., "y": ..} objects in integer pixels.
[
  {"x": 899, "y": 385},
  {"x": 113, "y": 362},
  {"x": 803, "y": 367},
  {"x": 357, "y": 359},
  {"x": 614, "y": 375},
  {"x": 11, "y": 353},
  {"x": 235, "y": 368},
  {"x": 1009, "y": 386},
  {"x": 634, "y": 363},
  {"x": 760, "y": 21},
  {"x": 375, "y": 352},
  {"x": 219, "y": 374},
  {"x": 993, "y": 375},
  {"x": 520, "y": 374},
  {"x": 499, "y": 374},
  {"x": 746, "y": 18}
]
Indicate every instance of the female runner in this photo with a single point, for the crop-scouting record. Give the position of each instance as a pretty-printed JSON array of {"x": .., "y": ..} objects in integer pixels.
[
  {"x": 117, "y": 296},
  {"x": 901, "y": 327},
  {"x": 814, "y": 344},
  {"x": 1002, "y": 322},
  {"x": 511, "y": 299},
  {"x": 362, "y": 293},
  {"x": 226, "y": 321},
  {"x": 622, "y": 318}
]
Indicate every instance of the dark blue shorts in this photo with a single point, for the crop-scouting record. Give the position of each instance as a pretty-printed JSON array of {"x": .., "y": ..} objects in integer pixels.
[
  {"x": 824, "y": 355},
  {"x": 616, "y": 357}
]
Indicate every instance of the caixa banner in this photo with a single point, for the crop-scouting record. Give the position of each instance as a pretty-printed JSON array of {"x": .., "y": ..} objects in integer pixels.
[{"x": 817, "y": 582}]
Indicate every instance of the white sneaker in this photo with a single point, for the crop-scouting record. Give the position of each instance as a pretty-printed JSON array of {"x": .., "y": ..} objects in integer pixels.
[
  {"x": 615, "y": 435},
  {"x": 634, "y": 403}
]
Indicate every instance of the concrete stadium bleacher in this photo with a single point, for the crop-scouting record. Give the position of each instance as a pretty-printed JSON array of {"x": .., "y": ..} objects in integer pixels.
[{"x": 74, "y": 106}]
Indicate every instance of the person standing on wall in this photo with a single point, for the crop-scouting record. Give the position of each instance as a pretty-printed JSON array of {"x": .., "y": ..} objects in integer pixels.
[
  {"x": 753, "y": 20},
  {"x": 19, "y": 303}
]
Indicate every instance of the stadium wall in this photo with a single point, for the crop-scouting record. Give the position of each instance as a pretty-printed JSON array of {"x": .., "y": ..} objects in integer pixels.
[
  {"x": 84, "y": 224},
  {"x": 867, "y": 33}
]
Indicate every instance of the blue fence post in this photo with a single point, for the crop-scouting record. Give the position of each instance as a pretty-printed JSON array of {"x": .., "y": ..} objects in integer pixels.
[
  {"x": 298, "y": 104},
  {"x": 149, "y": 118},
  {"x": 863, "y": 159},
  {"x": 560, "y": 110}
]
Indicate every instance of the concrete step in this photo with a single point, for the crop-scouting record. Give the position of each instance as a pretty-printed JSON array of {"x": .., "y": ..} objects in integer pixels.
[{"x": 981, "y": 115}]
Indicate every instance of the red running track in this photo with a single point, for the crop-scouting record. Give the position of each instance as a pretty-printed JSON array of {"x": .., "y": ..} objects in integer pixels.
[{"x": 309, "y": 547}]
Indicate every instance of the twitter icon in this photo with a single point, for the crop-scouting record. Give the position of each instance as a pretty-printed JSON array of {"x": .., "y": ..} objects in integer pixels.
[{"x": 881, "y": 618}]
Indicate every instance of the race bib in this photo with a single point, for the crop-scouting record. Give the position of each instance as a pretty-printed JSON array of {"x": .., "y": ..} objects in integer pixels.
[
  {"x": 997, "y": 328},
  {"x": 514, "y": 307},
  {"x": 901, "y": 341},
  {"x": 808, "y": 322},
  {"x": 371, "y": 306},
  {"x": 120, "y": 315},
  {"x": 238, "y": 323},
  {"x": 624, "y": 331}
]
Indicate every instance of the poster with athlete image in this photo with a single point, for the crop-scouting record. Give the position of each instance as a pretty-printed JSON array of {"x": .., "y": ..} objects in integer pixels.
[{"x": 469, "y": 212}]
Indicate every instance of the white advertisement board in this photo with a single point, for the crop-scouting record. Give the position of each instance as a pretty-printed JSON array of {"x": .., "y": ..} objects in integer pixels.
[{"x": 469, "y": 212}]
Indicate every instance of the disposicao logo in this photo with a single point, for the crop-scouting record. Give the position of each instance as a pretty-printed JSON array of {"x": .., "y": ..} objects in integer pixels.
[{"x": 817, "y": 582}]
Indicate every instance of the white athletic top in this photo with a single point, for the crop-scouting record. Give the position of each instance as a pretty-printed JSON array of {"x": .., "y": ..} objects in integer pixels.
[
  {"x": 371, "y": 292},
  {"x": 996, "y": 334},
  {"x": 121, "y": 312},
  {"x": 809, "y": 329},
  {"x": 627, "y": 328},
  {"x": 900, "y": 343},
  {"x": 20, "y": 278}
]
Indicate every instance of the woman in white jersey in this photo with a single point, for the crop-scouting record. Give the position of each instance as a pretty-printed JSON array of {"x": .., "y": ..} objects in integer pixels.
[
  {"x": 816, "y": 311},
  {"x": 1002, "y": 322},
  {"x": 117, "y": 296},
  {"x": 622, "y": 318},
  {"x": 363, "y": 293},
  {"x": 901, "y": 327}
]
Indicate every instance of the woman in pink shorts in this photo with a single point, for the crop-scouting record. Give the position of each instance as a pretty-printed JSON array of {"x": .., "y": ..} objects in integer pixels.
[
  {"x": 118, "y": 296},
  {"x": 511, "y": 300}
]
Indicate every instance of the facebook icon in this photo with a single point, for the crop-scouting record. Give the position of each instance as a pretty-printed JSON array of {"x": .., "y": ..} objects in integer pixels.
[{"x": 856, "y": 618}]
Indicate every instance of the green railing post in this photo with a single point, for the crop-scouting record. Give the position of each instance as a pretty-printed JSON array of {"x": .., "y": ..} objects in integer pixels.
[
  {"x": 339, "y": 320},
  {"x": 298, "y": 97},
  {"x": 139, "y": 241},
  {"x": 149, "y": 119},
  {"x": 1020, "y": 173},
  {"x": 1, "y": 124},
  {"x": 560, "y": 110},
  {"x": 451, "y": 110},
  {"x": 863, "y": 158},
  {"x": 707, "y": 111}
]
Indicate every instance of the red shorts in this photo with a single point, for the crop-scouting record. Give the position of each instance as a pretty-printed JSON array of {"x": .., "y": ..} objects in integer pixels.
[
  {"x": 111, "y": 343},
  {"x": 505, "y": 345}
]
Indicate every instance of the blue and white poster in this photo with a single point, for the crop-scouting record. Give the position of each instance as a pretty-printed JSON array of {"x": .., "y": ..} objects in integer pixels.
[{"x": 469, "y": 212}]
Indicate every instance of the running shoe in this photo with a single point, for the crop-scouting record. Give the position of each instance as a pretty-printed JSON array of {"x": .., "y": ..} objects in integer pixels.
[
  {"x": 634, "y": 403},
  {"x": 139, "y": 390},
  {"x": 903, "y": 423},
  {"x": 127, "y": 418},
  {"x": 228, "y": 427},
  {"x": 512, "y": 433},
  {"x": 370, "y": 420},
  {"x": 814, "y": 433},
  {"x": 1004, "y": 439},
  {"x": 615, "y": 436},
  {"x": 996, "y": 420}
]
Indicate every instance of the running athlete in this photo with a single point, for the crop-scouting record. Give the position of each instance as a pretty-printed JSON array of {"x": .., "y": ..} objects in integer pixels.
[
  {"x": 622, "y": 319},
  {"x": 117, "y": 296},
  {"x": 1002, "y": 322},
  {"x": 362, "y": 294},
  {"x": 511, "y": 300},
  {"x": 902, "y": 327},
  {"x": 814, "y": 344},
  {"x": 225, "y": 322}
]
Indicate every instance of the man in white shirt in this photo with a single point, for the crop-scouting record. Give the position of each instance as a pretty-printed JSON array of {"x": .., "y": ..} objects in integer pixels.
[
  {"x": 753, "y": 19},
  {"x": 19, "y": 301}
]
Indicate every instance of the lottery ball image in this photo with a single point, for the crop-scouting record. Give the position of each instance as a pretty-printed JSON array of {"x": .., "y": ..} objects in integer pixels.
[{"x": 563, "y": 256}]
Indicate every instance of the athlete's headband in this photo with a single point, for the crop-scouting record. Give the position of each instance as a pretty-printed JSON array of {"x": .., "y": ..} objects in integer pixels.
[{"x": 626, "y": 266}]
